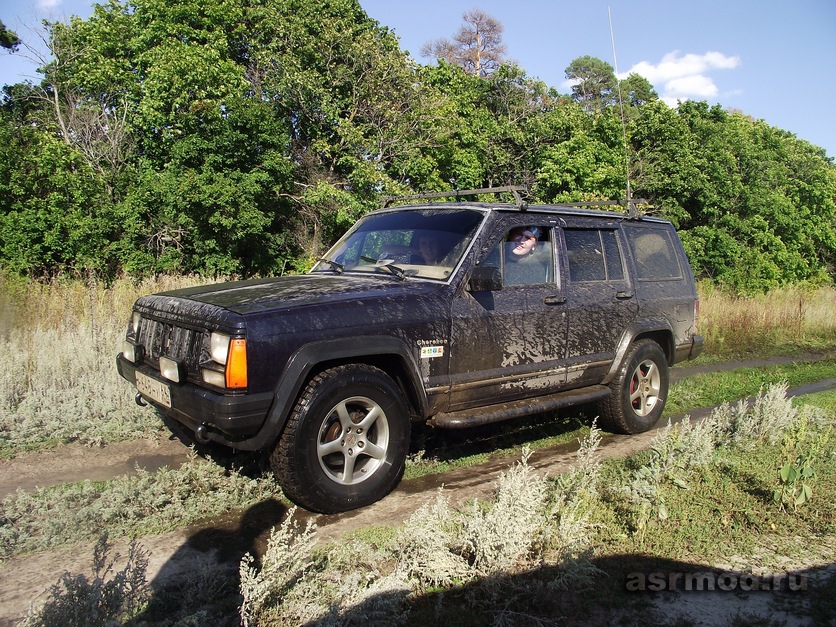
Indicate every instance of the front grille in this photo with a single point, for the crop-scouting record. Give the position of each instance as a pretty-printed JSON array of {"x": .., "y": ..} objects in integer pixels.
[{"x": 164, "y": 339}]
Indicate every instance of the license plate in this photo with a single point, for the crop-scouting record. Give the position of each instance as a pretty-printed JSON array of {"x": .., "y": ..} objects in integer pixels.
[{"x": 153, "y": 389}]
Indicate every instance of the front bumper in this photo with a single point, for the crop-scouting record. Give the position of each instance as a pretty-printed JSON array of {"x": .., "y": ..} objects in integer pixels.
[{"x": 228, "y": 419}]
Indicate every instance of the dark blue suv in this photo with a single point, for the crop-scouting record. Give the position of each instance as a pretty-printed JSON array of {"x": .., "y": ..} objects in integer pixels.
[{"x": 452, "y": 314}]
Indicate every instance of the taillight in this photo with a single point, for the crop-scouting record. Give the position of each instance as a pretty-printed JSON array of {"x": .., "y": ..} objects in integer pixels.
[{"x": 696, "y": 311}]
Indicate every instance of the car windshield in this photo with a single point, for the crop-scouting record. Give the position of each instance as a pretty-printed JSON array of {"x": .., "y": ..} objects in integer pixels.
[{"x": 425, "y": 243}]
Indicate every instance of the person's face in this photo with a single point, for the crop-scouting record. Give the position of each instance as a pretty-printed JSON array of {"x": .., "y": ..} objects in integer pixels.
[
  {"x": 428, "y": 247},
  {"x": 523, "y": 243}
]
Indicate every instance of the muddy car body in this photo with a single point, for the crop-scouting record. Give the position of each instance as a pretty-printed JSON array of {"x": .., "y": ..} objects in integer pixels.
[{"x": 454, "y": 314}]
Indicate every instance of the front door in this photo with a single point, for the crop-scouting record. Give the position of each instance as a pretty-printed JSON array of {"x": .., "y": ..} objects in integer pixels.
[{"x": 510, "y": 343}]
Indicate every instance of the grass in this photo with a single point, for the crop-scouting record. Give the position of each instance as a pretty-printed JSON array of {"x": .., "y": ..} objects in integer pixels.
[
  {"x": 145, "y": 503},
  {"x": 64, "y": 335},
  {"x": 710, "y": 389},
  {"x": 782, "y": 322},
  {"x": 437, "y": 452},
  {"x": 63, "y": 338},
  {"x": 720, "y": 515},
  {"x": 523, "y": 556}
]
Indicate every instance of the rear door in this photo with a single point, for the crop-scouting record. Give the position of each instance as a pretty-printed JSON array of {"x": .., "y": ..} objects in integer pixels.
[{"x": 601, "y": 299}]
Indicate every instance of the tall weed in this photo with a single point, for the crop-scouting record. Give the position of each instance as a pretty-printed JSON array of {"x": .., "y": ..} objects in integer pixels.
[
  {"x": 60, "y": 385},
  {"x": 734, "y": 325},
  {"x": 107, "y": 598},
  {"x": 530, "y": 521}
]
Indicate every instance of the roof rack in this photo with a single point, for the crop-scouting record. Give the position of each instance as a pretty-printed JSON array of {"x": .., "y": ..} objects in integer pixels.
[
  {"x": 631, "y": 205},
  {"x": 456, "y": 193}
]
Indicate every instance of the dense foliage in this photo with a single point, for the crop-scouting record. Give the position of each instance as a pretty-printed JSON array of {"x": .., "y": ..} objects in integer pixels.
[{"x": 241, "y": 137}]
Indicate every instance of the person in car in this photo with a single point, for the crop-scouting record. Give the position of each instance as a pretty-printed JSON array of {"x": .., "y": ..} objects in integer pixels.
[
  {"x": 524, "y": 262},
  {"x": 429, "y": 249}
]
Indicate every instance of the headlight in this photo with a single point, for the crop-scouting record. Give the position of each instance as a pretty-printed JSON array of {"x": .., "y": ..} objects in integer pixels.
[
  {"x": 135, "y": 319},
  {"x": 231, "y": 353},
  {"x": 129, "y": 351},
  {"x": 219, "y": 348}
]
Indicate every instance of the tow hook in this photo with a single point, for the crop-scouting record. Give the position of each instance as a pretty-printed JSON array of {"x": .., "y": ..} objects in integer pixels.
[
  {"x": 139, "y": 401},
  {"x": 201, "y": 434}
]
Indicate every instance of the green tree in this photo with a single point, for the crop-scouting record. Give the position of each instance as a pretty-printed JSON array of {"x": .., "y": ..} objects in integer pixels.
[
  {"x": 8, "y": 38},
  {"x": 740, "y": 193},
  {"x": 51, "y": 217},
  {"x": 493, "y": 123},
  {"x": 593, "y": 83},
  {"x": 584, "y": 159}
]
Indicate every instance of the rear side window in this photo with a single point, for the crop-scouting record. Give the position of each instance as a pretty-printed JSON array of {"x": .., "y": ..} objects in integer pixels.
[
  {"x": 655, "y": 254},
  {"x": 594, "y": 255}
]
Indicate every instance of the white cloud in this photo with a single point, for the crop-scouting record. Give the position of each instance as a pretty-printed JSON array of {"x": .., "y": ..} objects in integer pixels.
[
  {"x": 689, "y": 86},
  {"x": 680, "y": 77},
  {"x": 46, "y": 5}
]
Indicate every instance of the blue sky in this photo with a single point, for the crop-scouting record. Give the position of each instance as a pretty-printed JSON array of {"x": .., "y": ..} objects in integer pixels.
[{"x": 773, "y": 60}]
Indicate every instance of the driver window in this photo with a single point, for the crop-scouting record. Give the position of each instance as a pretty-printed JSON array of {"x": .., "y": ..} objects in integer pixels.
[{"x": 525, "y": 255}]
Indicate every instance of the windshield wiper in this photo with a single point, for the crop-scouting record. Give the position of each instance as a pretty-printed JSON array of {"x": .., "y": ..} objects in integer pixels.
[
  {"x": 389, "y": 264},
  {"x": 336, "y": 267}
]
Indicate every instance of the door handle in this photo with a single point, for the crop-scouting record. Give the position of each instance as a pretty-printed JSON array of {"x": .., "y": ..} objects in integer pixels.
[
  {"x": 625, "y": 295},
  {"x": 555, "y": 300}
]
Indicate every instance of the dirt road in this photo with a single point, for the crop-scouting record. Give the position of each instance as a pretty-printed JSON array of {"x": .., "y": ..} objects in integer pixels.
[{"x": 28, "y": 578}]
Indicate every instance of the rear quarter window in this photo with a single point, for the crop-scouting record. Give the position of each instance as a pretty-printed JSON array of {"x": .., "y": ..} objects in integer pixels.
[{"x": 654, "y": 252}]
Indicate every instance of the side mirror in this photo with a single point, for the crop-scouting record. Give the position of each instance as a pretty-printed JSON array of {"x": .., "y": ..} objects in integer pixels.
[{"x": 485, "y": 279}]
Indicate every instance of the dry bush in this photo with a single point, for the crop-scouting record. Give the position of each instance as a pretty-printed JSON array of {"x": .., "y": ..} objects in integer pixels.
[
  {"x": 105, "y": 599},
  {"x": 765, "y": 419},
  {"x": 297, "y": 583},
  {"x": 529, "y": 522},
  {"x": 501, "y": 536},
  {"x": 62, "y": 338},
  {"x": 58, "y": 304}
]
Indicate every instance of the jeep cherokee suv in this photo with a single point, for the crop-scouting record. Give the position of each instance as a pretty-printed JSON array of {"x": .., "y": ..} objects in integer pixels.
[{"x": 455, "y": 314}]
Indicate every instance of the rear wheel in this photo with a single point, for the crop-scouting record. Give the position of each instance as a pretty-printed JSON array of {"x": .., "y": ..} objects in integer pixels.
[
  {"x": 639, "y": 390},
  {"x": 345, "y": 443}
]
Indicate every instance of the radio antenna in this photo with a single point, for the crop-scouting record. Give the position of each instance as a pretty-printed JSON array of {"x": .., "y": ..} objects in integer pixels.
[{"x": 632, "y": 211}]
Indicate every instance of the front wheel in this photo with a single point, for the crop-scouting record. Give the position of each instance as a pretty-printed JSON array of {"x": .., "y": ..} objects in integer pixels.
[
  {"x": 345, "y": 442},
  {"x": 639, "y": 390}
]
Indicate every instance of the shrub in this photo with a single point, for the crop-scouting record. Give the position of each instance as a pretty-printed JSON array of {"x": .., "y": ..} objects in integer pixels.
[
  {"x": 102, "y": 600},
  {"x": 764, "y": 420},
  {"x": 298, "y": 583},
  {"x": 501, "y": 536},
  {"x": 424, "y": 547},
  {"x": 530, "y": 520}
]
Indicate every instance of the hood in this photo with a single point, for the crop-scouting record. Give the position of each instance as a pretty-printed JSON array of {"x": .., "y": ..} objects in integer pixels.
[{"x": 253, "y": 296}]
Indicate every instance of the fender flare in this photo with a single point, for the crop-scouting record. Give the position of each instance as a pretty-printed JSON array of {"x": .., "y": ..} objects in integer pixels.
[
  {"x": 646, "y": 327},
  {"x": 302, "y": 363}
]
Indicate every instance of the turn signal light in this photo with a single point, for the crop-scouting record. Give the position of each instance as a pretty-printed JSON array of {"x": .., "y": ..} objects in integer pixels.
[{"x": 236, "y": 364}]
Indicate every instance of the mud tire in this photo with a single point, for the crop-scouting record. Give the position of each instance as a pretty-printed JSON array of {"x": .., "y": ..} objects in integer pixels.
[
  {"x": 639, "y": 390},
  {"x": 345, "y": 443}
]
